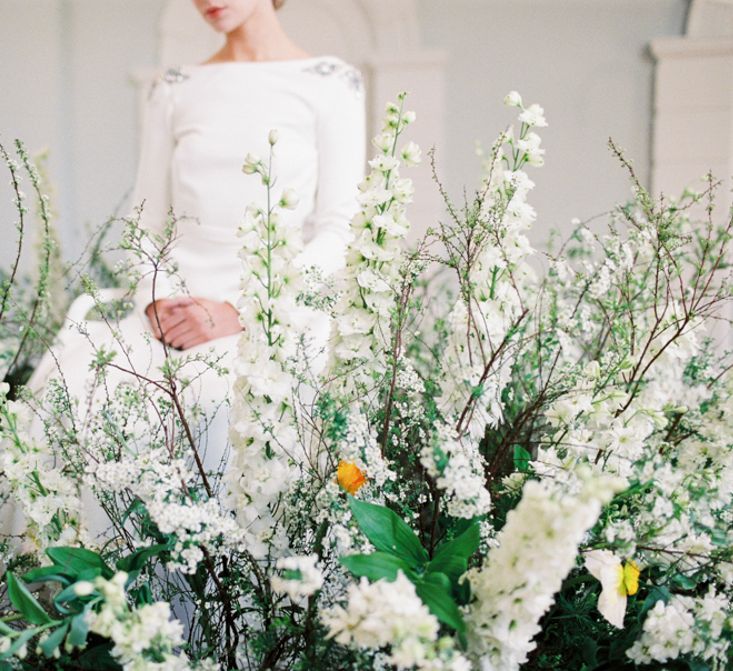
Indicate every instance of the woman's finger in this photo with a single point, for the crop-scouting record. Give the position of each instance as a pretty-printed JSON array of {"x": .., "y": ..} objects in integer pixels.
[
  {"x": 179, "y": 339},
  {"x": 172, "y": 321},
  {"x": 192, "y": 339},
  {"x": 180, "y": 301},
  {"x": 176, "y": 331}
]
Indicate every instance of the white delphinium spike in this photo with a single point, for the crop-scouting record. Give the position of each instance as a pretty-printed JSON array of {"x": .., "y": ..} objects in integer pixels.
[
  {"x": 262, "y": 418},
  {"x": 477, "y": 362},
  {"x": 360, "y": 335},
  {"x": 478, "y": 358},
  {"x": 535, "y": 550}
]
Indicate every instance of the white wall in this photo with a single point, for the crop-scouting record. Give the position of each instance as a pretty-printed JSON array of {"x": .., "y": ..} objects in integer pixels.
[
  {"x": 65, "y": 85},
  {"x": 64, "y": 82},
  {"x": 584, "y": 61}
]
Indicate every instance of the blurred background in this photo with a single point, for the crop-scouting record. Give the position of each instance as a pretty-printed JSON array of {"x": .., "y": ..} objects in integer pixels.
[{"x": 655, "y": 75}]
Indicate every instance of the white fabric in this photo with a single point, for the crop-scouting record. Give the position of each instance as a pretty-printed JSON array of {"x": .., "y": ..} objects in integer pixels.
[{"x": 199, "y": 123}]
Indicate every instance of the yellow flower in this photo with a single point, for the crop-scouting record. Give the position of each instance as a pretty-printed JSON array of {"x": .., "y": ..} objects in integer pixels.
[
  {"x": 631, "y": 578},
  {"x": 350, "y": 477},
  {"x": 617, "y": 582}
]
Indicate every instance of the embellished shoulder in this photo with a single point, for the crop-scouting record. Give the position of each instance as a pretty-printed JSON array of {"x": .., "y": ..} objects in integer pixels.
[
  {"x": 172, "y": 75},
  {"x": 347, "y": 73}
]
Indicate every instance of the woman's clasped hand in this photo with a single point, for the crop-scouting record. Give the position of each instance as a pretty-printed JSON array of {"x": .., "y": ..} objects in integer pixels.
[{"x": 187, "y": 321}]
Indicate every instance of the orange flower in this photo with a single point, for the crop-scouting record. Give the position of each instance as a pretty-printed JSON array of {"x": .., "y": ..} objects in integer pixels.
[{"x": 350, "y": 477}]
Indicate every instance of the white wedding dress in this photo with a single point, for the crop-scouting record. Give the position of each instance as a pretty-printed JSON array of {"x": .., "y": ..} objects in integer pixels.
[{"x": 199, "y": 123}]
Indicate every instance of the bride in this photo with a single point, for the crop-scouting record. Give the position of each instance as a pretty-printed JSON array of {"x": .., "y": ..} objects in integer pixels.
[{"x": 200, "y": 121}]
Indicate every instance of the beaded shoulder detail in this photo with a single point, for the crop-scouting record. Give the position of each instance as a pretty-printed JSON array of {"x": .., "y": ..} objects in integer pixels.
[
  {"x": 172, "y": 75},
  {"x": 350, "y": 75}
]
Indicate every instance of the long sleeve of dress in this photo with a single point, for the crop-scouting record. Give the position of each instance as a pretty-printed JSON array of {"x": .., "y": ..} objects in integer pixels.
[
  {"x": 341, "y": 146},
  {"x": 153, "y": 186}
]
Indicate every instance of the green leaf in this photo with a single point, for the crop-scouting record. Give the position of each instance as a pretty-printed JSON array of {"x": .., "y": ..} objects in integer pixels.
[
  {"x": 79, "y": 559},
  {"x": 136, "y": 560},
  {"x": 79, "y": 629},
  {"x": 439, "y": 579},
  {"x": 47, "y": 574},
  {"x": 25, "y": 602},
  {"x": 684, "y": 582},
  {"x": 54, "y": 639},
  {"x": 441, "y": 604},
  {"x": 375, "y": 566},
  {"x": 388, "y": 533},
  {"x": 462, "y": 546},
  {"x": 521, "y": 459},
  {"x": 65, "y": 595},
  {"x": 450, "y": 565}
]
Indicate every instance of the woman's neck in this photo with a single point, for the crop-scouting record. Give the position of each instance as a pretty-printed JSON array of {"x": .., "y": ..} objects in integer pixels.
[{"x": 259, "y": 38}]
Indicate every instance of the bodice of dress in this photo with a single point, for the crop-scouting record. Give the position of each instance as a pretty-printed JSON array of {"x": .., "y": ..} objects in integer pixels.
[{"x": 201, "y": 121}]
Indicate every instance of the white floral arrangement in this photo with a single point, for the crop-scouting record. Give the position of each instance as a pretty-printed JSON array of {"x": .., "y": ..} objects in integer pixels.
[{"x": 488, "y": 465}]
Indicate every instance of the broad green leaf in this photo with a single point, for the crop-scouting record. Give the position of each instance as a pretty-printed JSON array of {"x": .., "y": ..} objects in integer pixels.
[
  {"x": 375, "y": 566},
  {"x": 451, "y": 565},
  {"x": 462, "y": 546},
  {"x": 440, "y": 603},
  {"x": 79, "y": 559},
  {"x": 439, "y": 579},
  {"x": 388, "y": 533},
  {"x": 54, "y": 640},
  {"x": 25, "y": 602},
  {"x": 47, "y": 574}
]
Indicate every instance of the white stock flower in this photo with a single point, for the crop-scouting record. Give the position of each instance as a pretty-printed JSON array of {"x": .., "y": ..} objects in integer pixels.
[
  {"x": 533, "y": 116},
  {"x": 537, "y": 548}
]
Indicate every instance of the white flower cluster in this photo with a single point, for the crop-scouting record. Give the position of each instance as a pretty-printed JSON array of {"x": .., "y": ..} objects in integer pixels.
[
  {"x": 263, "y": 421},
  {"x": 458, "y": 469},
  {"x": 477, "y": 360},
  {"x": 368, "y": 285},
  {"x": 536, "y": 550},
  {"x": 382, "y": 614},
  {"x": 47, "y": 497},
  {"x": 300, "y": 577},
  {"x": 685, "y": 626},
  {"x": 162, "y": 483},
  {"x": 145, "y": 638}
]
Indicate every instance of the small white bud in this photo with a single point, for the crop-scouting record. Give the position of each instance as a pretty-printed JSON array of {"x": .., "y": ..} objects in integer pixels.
[
  {"x": 83, "y": 588},
  {"x": 289, "y": 199},
  {"x": 272, "y": 137},
  {"x": 251, "y": 164},
  {"x": 513, "y": 99}
]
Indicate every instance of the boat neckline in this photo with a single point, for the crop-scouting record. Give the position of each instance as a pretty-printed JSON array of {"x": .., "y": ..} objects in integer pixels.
[{"x": 281, "y": 61}]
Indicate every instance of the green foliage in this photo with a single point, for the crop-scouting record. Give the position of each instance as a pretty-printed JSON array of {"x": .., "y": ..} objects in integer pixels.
[{"x": 436, "y": 579}]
